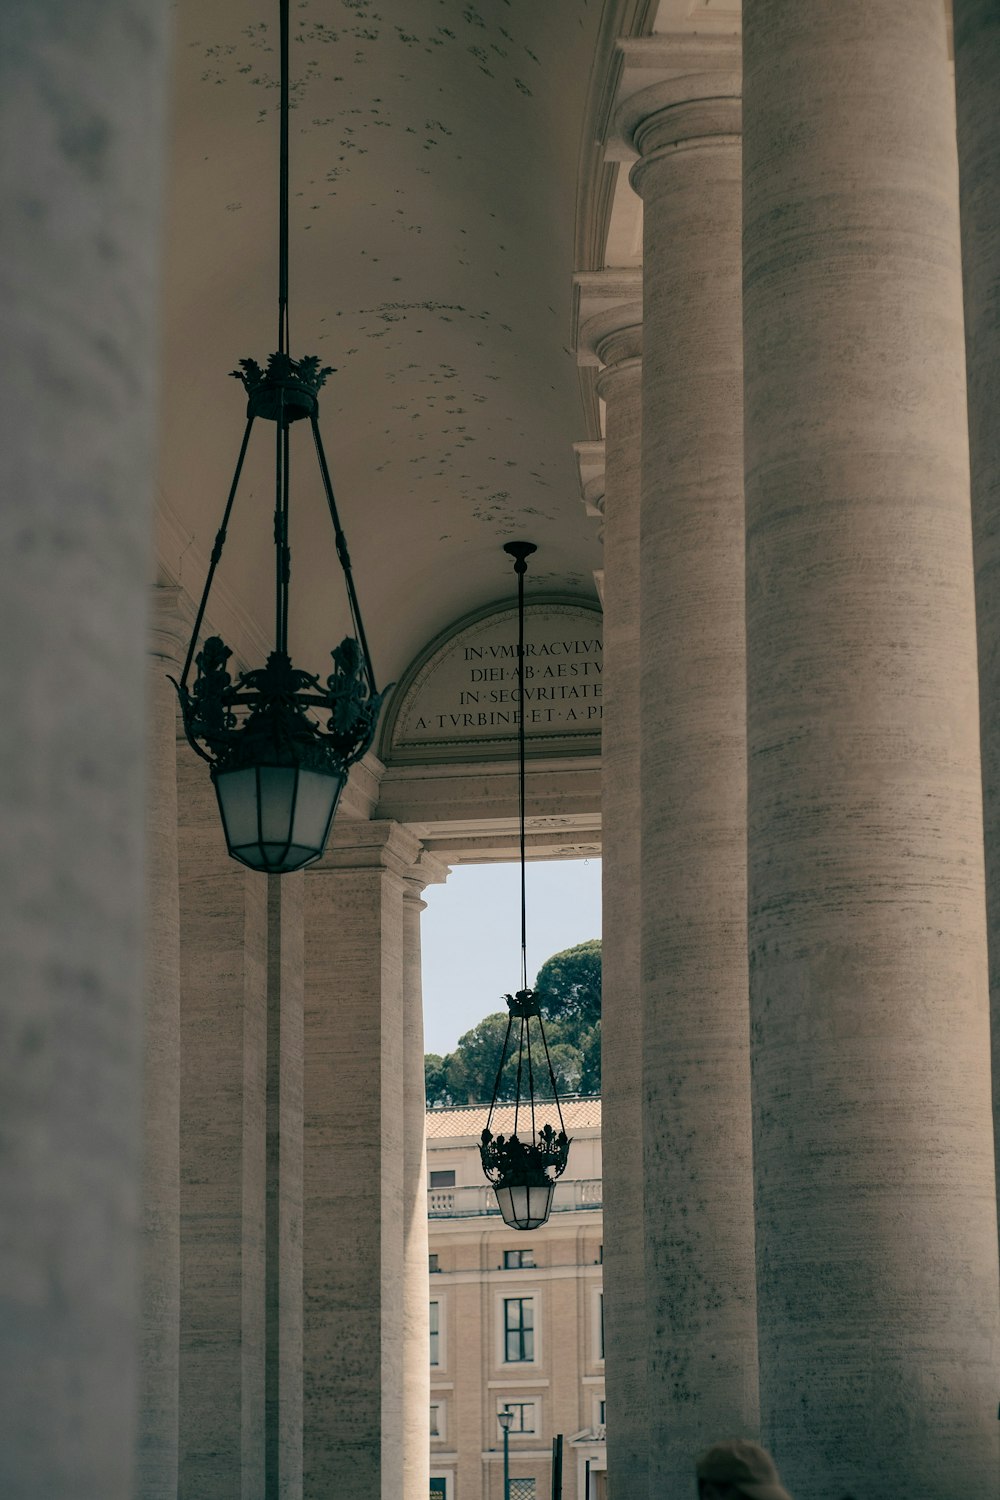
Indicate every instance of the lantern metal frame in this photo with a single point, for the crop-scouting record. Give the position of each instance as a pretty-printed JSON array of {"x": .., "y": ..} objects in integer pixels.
[
  {"x": 524, "y": 1172},
  {"x": 282, "y": 723}
]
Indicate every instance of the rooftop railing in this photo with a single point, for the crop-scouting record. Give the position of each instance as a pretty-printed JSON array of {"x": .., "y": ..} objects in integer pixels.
[{"x": 478, "y": 1202}]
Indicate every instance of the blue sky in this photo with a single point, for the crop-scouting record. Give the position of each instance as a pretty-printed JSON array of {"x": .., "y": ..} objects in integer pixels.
[{"x": 471, "y": 936}]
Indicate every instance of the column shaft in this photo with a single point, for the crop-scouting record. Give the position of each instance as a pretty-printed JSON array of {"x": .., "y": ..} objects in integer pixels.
[
  {"x": 621, "y": 1016},
  {"x": 702, "y": 1353},
  {"x": 81, "y": 106},
  {"x": 354, "y": 1164},
  {"x": 160, "y": 1284},
  {"x": 876, "y": 1220},
  {"x": 977, "y": 88},
  {"x": 224, "y": 984},
  {"x": 416, "y": 1334}
]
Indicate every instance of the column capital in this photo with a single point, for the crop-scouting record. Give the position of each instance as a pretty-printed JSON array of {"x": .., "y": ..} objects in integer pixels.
[
  {"x": 622, "y": 351},
  {"x": 589, "y": 460},
  {"x": 590, "y": 473},
  {"x": 428, "y": 869},
  {"x": 357, "y": 844},
  {"x": 681, "y": 59},
  {"x": 592, "y": 494},
  {"x": 171, "y": 617},
  {"x": 607, "y": 315},
  {"x": 696, "y": 111}
]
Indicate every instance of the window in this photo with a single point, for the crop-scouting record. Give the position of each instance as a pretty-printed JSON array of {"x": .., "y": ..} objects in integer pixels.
[
  {"x": 442, "y": 1179},
  {"x": 522, "y": 1489},
  {"x": 600, "y": 1325},
  {"x": 518, "y": 1330},
  {"x": 436, "y": 1423},
  {"x": 602, "y": 1413},
  {"x": 513, "y": 1260},
  {"x": 432, "y": 1263},
  {"x": 435, "y": 1322},
  {"x": 524, "y": 1415},
  {"x": 439, "y": 1487},
  {"x": 600, "y": 1255}
]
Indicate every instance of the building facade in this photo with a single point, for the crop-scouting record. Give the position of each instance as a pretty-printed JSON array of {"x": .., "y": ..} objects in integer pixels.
[
  {"x": 730, "y": 274},
  {"x": 516, "y": 1320}
]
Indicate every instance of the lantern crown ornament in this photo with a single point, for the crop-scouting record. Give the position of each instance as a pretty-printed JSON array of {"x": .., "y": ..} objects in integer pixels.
[
  {"x": 280, "y": 742},
  {"x": 523, "y": 1168}
]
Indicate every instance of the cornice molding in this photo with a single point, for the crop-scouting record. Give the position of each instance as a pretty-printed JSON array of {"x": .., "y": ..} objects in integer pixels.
[
  {"x": 675, "y": 114},
  {"x": 596, "y": 175},
  {"x": 604, "y": 302},
  {"x": 376, "y": 845}
]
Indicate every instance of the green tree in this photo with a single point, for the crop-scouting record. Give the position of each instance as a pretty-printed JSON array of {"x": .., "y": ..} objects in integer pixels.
[
  {"x": 590, "y": 1057},
  {"x": 569, "y": 991},
  {"x": 436, "y": 1078},
  {"x": 569, "y": 984},
  {"x": 471, "y": 1069}
]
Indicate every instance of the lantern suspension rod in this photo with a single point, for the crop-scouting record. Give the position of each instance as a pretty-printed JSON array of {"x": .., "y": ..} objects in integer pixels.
[
  {"x": 552, "y": 1080},
  {"x": 342, "y": 552},
  {"x": 503, "y": 1059},
  {"x": 282, "y": 551},
  {"x": 520, "y": 552},
  {"x": 220, "y": 542},
  {"x": 283, "y": 185}
]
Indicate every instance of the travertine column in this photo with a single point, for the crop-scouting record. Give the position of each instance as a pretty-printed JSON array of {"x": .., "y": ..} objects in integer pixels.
[
  {"x": 702, "y": 1354},
  {"x": 160, "y": 1282},
  {"x": 354, "y": 1163},
  {"x": 284, "y": 1212},
  {"x": 416, "y": 1336},
  {"x": 81, "y": 92},
  {"x": 614, "y": 335},
  {"x": 876, "y": 1223},
  {"x": 224, "y": 991},
  {"x": 977, "y": 88}
]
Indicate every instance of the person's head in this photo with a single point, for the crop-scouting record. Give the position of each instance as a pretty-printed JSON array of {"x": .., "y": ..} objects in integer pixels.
[{"x": 738, "y": 1470}]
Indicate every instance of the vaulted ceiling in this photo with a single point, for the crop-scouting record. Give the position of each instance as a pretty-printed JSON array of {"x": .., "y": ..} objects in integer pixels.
[{"x": 435, "y": 151}]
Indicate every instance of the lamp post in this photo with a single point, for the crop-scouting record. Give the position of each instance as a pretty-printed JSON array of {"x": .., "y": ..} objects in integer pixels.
[{"x": 505, "y": 1418}]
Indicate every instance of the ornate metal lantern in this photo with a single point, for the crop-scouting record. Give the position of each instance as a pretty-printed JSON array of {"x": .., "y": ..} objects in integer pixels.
[
  {"x": 524, "y": 1171},
  {"x": 280, "y": 742}
]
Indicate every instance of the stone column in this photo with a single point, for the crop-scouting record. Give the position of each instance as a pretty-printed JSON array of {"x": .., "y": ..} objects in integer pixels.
[
  {"x": 701, "y": 1314},
  {"x": 354, "y": 1163},
  {"x": 159, "y": 1300},
  {"x": 613, "y": 335},
  {"x": 416, "y": 1335},
  {"x": 81, "y": 104},
  {"x": 977, "y": 88},
  {"x": 876, "y": 1220},
  {"x": 224, "y": 1024},
  {"x": 284, "y": 1211},
  {"x": 590, "y": 462}
]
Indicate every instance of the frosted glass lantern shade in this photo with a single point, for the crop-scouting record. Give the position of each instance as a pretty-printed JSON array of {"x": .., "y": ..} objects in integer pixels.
[
  {"x": 525, "y": 1205},
  {"x": 277, "y": 818}
]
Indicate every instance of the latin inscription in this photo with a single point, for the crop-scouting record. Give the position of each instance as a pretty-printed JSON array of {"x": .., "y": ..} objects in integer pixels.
[
  {"x": 472, "y": 689},
  {"x": 560, "y": 692}
]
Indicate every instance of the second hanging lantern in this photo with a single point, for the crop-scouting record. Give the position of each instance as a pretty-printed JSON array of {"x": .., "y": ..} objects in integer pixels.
[{"x": 523, "y": 1167}]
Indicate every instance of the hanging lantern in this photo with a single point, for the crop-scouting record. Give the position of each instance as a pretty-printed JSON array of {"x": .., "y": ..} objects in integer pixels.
[
  {"x": 524, "y": 1168},
  {"x": 280, "y": 742},
  {"x": 523, "y": 1171}
]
